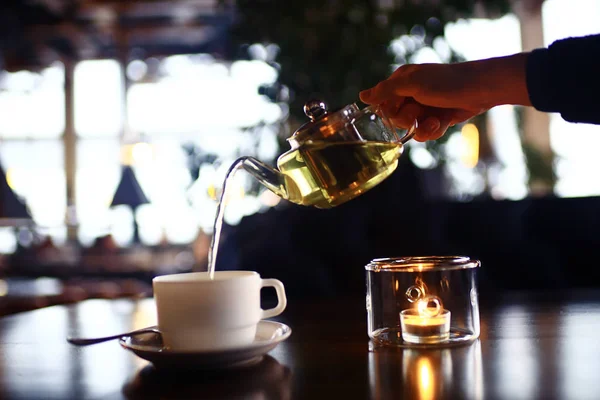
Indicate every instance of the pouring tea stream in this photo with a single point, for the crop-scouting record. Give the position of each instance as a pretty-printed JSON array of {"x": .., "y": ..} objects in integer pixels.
[{"x": 334, "y": 157}]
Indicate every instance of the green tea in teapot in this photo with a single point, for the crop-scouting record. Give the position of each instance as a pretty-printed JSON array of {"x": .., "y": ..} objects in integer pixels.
[
  {"x": 327, "y": 174},
  {"x": 334, "y": 157}
]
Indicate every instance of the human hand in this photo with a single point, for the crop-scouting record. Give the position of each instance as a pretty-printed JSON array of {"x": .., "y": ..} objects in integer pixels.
[
  {"x": 437, "y": 95},
  {"x": 442, "y": 95}
]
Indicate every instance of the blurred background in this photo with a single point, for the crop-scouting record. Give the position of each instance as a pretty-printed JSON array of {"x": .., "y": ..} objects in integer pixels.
[{"x": 119, "y": 120}]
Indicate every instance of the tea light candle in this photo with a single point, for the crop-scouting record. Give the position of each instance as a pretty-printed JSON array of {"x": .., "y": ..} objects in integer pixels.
[{"x": 428, "y": 323}]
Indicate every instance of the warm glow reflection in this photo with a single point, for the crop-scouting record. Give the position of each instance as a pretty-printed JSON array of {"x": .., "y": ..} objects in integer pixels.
[
  {"x": 10, "y": 178},
  {"x": 426, "y": 379},
  {"x": 235, "y": 192},
  {"x": 211, "y": 191},
  {"x": 3, "y": 287},
  {"x": 127, "y": 155},
  {"x": 470, "y": 136},
  {"x": 136, "y": 154}
]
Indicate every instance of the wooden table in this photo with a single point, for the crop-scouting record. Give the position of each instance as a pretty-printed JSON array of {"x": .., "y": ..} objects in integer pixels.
[{"x": 532, "y": 347}]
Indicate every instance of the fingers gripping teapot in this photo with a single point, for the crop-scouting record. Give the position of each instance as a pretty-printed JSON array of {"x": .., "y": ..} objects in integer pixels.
[{"x": 334, "y": 157}]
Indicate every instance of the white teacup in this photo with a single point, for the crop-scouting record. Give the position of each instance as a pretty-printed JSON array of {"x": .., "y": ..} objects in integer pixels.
[{"x": 197, "y": 313}]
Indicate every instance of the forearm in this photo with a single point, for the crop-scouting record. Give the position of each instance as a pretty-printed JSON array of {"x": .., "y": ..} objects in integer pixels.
[{"x": 501, "y": 80}]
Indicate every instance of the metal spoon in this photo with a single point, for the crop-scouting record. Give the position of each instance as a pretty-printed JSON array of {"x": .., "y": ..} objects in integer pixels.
[{"x": 89, "y": 341}]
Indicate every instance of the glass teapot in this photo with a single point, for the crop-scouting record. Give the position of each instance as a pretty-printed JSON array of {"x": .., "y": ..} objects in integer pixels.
[{"x": 334, "y": 157}]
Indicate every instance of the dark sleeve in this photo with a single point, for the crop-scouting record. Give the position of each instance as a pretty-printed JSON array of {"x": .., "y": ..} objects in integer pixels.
[{"x": 565, "y": 78}]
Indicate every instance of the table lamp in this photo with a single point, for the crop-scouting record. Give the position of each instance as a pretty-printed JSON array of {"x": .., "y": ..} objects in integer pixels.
[{"x": 130, "y": 193}]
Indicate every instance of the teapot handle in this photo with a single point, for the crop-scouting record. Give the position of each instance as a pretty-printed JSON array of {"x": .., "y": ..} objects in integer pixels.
[{"x": 410, "y": 133}]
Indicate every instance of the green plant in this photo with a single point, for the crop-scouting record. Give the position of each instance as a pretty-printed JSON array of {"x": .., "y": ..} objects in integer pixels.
[{"x": 332, "y": 49}]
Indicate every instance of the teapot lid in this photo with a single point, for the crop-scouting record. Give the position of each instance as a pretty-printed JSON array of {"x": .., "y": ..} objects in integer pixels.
[{"x": 323, "y": 123}]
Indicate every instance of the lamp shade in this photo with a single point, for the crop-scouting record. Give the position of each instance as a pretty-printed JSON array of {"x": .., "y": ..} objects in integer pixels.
[
  {"x": 11, "y": 207},
  {"x": 129, "y": 192}
]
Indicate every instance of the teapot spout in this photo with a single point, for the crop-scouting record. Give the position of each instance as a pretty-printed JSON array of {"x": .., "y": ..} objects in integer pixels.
[{"x": 271, "y": 178}]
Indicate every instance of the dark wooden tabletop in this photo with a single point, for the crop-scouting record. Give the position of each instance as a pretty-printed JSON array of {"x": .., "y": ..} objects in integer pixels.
[{"x": 532, "y": 347}]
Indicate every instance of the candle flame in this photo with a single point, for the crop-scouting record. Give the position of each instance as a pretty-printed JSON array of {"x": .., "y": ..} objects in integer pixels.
[{"x": 429, "y": 306}]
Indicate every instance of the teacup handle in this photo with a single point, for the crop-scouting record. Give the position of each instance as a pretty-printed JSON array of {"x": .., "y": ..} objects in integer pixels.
[{"x": 281, "y": 299}]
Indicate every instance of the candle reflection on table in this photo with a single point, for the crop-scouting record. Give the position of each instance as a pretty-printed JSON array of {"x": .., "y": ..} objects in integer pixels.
[
  {"x": 426, "y": 374},
  {"x": 425, "y": 378}
]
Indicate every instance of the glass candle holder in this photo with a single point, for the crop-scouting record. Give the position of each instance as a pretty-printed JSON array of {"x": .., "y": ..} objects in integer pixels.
[{"x": 422, "y": 301}]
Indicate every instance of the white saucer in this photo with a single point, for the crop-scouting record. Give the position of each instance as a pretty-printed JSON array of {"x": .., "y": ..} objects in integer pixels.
[{"x": 150, "y": 347}]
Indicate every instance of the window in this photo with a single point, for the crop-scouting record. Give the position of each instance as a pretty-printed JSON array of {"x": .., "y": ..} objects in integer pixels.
[{"x": 32, "y": 120}]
